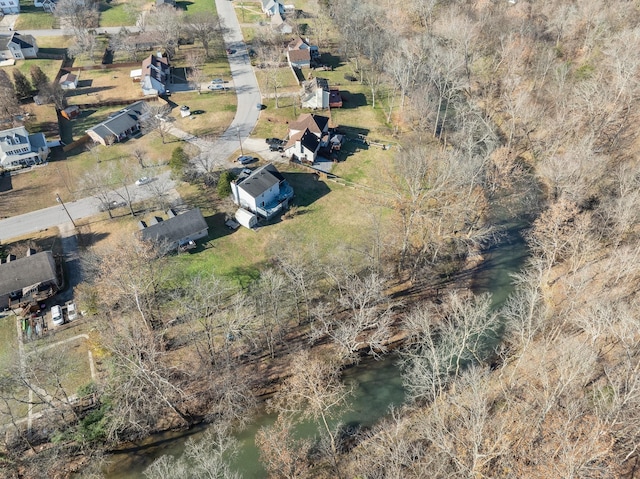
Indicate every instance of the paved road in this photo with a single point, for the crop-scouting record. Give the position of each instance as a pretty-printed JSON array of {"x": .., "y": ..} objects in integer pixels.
[
  {"x": 218, "y": 152},
  {"x": 56, "y": 215}
]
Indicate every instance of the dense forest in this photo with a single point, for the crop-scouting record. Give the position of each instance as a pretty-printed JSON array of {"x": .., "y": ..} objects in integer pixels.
[{"x": 505, "y": 111}]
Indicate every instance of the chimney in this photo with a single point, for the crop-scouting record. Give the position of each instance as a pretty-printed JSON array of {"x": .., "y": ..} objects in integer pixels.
[{"x": 159, "y": 54}]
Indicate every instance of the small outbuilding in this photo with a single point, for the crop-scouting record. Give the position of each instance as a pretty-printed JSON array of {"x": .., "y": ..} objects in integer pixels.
[
  {"x": 246, "y": 218},
  {"x": 68, "y": 81}
]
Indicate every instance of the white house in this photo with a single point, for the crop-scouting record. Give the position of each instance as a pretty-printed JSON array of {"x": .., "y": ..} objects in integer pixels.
[
  {"x": 315, "y": 93},
  {"x": 17, "y": 47},
  {"x": 9, "y": 7},
  {"x": 307, "y": 135},
  {"x": 271, "y": 7},
  {"x": 68, "y": 81},
  {"x": 19, "y": 148},
  {"x": 264, "y": 192}
]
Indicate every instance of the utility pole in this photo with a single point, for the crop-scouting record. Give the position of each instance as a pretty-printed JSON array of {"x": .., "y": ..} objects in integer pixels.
[
  {"x": 59, "y": 200},
  {"x": 239, "y": 140}
]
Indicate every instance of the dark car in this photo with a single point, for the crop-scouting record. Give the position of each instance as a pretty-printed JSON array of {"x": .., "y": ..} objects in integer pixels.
[
  {"x": 274, "y": 147},
  {"x": 245, "y": 160},
  {"x": 274, "y": 141}
]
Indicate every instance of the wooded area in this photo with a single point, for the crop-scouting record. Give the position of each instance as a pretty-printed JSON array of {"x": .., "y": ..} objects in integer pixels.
[{"x": 517, "y": 111}]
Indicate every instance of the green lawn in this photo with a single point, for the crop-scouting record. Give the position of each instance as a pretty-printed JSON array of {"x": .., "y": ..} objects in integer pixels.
[
  {"x": 49, "y": 67},
  {"x": 116, "y": 14},
  {"x": 218, "y": 109},
  {"x": 197, "y": 6},
  {"x": 32, "y": 18},
  {"x": 328, "y": 215}
]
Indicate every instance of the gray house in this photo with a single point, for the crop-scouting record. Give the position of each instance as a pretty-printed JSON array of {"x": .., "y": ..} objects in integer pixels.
[
  {"x": 120, "y": 125},
  {"x": 177, "y": 231},
  {"x": 33, "y": 275}
]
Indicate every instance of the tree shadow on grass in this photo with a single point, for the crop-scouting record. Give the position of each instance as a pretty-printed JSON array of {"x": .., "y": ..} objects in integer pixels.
[{"x": 307, "y": 188}]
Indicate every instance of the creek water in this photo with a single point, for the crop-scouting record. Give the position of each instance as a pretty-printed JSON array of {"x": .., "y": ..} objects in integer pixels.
[{"x": 376, "y": 384}]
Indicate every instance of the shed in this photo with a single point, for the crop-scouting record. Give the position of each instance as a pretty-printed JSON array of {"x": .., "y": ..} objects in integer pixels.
[
  {"x": 246, "y": 218},
  {"x": 70, "y": 112},
  {"x": 68, "y": 81}
]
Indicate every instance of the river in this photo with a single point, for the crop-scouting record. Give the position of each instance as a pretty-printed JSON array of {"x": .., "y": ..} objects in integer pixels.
[{"x": 377, "y": 384}]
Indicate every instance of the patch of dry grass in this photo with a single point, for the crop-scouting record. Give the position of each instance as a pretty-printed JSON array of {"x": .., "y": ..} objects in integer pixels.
[{"x": 95, "y": 86}]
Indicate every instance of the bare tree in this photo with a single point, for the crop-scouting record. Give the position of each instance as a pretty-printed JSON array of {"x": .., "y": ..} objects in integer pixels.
[
  {"x": 313, "y": 391},
  {"x": 195, "y": 75},
  {"x": 282, "y": 455},
  {"x": 205, "y": 28}
]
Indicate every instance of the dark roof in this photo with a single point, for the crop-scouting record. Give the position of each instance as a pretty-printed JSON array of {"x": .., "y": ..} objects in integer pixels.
[
  {"x": 261, "y": 180},
  {"x": 310, "y": 141},
  {"x": 177, "y": 228},
  {"x": 121, "y": 122},
  {"x": 23, "y": 41},
  {"x": 156, "y": 67},
  {"x": 27, "y": 271}
]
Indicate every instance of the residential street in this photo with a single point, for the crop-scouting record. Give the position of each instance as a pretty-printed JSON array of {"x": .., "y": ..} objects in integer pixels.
[
  {"x": 56, "y": 216},
  {"x": 217, "y": 153}
]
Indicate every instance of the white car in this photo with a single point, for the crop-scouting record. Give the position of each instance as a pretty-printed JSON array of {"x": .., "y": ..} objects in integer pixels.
[
  {"x": 72, "y": 312},
  {"x": 56, "y": 315},
  {"x": 143, "y": 181}
]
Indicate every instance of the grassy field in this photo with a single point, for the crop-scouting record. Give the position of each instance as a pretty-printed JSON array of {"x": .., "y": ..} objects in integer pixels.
[
  {"x": 49, "y": 67},
  {"x": 118, "y": 13},
  {"x": 218, "y": 109},
  {"x": 95, "y": 86},
  {"x": 33, "y": 18},
  {"x": 193, "y": 7}
]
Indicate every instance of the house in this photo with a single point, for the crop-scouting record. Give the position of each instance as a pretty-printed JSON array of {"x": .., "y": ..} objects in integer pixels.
[
  {"x": 33, "y": 275},
  {"x": 19, "y": 148},
  {"x": 177, "y": 231},
  {"x": 9, "y": 7},
  {"x": 68, "y": 81},
  {"x": 271, "y": 7},
  {"x": 264, "y": 192},
  {"x": 307, "y": 135},
  {"x": 17, "y": 47},
  {"x": 280, "y": 25},
  {"x": 155, "y": 75},
  {"x": 299, "y": 44},
  {"x": 317, "y": 124},
  {"x": 299, "y": 58},
  {"x": 47, "y": 5},
  {"x": 120, "y": 125},
  {"x": 70, "y": 112},
  {"x": 315, "y": 93}
]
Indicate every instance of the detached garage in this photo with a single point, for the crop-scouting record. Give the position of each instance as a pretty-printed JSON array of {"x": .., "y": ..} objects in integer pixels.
[{"x": 246, "y": 218}]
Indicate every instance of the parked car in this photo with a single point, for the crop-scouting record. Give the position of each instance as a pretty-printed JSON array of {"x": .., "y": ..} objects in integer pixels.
[
  {"x": 216, "y": 86},
  {"x": 112, "y": 205},
  {"x": 186, "y": 245},
  {"x": 274, "y": 141},
  {"x": 217, "y": 80},
  {"x": 245, "y": 159},
  {"x": 72, "y": 312},
  {"x": 230, "y": 51},
  {"x": 143, "y": 181},
  {"x": 56, "y": 315},
  {"x": 274, "y": 147}
]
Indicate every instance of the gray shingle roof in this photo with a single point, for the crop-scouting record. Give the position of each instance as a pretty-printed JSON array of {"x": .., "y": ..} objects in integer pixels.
[
  {"x": 27, "y": 271},
  {"x": 310, "y": 141},
  {"x": 174, "y": 229},
  {"x": 261, "y": 180},
  {"x": 127, "y": 118}
]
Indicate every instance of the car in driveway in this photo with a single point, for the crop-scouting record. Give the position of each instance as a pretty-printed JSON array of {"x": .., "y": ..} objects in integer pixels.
[
  {"x": 56, "y": 315},
  {"x": 216, "y": 86},
  {"x": 246, "y": 159},
  {"x": 72, "y": 312},
  {"x": 216, "y": 81},
  {"x": 143, "y": 181}
]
